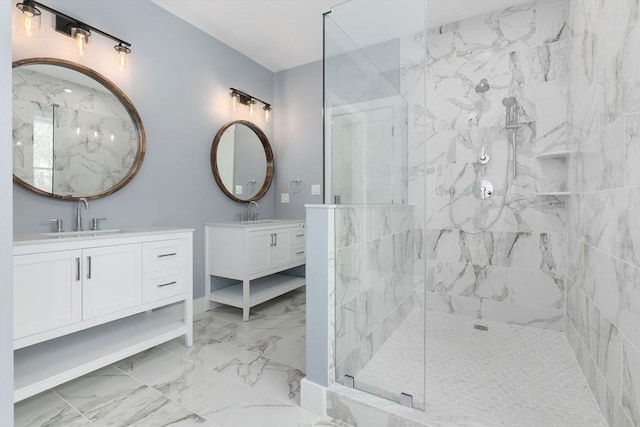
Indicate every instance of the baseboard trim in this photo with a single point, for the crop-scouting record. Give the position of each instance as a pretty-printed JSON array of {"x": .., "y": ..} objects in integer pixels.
[{"x": 313, "y": 397}]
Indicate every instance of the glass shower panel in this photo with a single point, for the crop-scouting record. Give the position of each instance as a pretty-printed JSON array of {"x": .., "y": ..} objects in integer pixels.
[
  {"x": 372, "y": 131},
  {"x": 365, "y": 122}
]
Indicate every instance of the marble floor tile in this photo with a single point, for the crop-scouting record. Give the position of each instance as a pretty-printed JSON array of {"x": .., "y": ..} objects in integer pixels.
[
  {"x": 207, "y": 352},
  {"x": 47, "y": 409},
  {"x": 146, "y": 409},
  {"x": 283, "y": 350},
  {"x": 180, "y": 379},
  {"x": 237, "y": 405},
  {"x": 273, "y": 378},
  {"x": 99, "y": 388},
  {"x": 329, "y": 422},
  {"x": 143, "y": 358},
  {"x": 294, "y": 303}
]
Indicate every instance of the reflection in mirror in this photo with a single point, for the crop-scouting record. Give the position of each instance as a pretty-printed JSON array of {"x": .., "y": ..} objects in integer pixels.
[
  {"x": 242, "y": 161},
  {"x": 75, "y": 134}
]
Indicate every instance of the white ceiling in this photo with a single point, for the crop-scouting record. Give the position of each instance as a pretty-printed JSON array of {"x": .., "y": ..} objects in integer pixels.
[{"x": 282, "y": 34}]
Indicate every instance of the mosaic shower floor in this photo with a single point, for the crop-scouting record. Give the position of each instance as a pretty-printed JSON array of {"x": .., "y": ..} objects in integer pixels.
[{"x": 509, "y": 375}]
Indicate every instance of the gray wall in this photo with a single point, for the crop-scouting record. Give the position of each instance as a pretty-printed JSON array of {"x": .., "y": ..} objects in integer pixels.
[
  {"x": 179, "y": 80},
  {"x": 298, "y": 136},
  {"x": 6, "y": 238}
]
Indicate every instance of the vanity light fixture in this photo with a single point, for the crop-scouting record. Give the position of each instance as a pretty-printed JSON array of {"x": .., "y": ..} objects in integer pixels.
[
  {"x": 65, "y": 24},
  {"x": 30, "y": 18},
  {"x": 267, "y": 113},
  {"x": 240, "y": 97}
]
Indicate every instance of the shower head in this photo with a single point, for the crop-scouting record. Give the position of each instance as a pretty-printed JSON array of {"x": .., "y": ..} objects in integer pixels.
[
  {"x": 509, "y": 101},
  {"x": 483, "y": 86}
]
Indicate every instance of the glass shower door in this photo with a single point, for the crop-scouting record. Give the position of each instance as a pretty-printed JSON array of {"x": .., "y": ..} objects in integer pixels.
[{"x": 371, "y": 132}]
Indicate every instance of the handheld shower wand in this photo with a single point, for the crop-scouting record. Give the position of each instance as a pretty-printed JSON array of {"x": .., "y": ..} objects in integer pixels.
[{"x": 511, "y": 119}]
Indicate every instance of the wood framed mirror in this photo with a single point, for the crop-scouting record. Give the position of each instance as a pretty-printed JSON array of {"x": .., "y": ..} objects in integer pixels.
[
  {"x": 242, "y": 161},
  {"x": 75, "y": 133}
]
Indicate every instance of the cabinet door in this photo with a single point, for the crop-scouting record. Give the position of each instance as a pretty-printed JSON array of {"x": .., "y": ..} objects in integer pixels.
[
  {"x": 112, "y": 279},
  {"x": 260, "y": 248},
  {"x": 281, "y": 251},
  {"x": 47, "y": 291}
]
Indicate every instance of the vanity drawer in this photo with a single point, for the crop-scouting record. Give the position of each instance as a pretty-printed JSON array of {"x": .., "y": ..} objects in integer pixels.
[
  {"x": 298, "y": 254},
  {"x": 163, "y": 284},
  {"x": 298, "y": 238},
  {"x": 164, "y": 255}
]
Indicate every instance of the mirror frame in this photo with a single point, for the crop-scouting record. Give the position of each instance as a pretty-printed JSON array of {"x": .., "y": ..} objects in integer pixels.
[
  {"x": 126, "y": 103},
  {"x": 267, "y": 151}
]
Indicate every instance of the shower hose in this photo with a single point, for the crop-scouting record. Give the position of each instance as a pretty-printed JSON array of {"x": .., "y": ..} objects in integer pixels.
[{"x": 452, "y": 192}]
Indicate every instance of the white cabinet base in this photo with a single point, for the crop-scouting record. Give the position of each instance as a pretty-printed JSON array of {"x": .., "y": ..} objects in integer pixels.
[
  {"x": 252, "y": 253},
  {"x": 48, "y": 364},
  {"x": 112, "y": 272},
  {"x": 257, "y": 291}
]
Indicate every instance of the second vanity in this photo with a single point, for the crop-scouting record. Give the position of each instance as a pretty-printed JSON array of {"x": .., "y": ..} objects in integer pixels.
[
  {"x": 245, "y": 261},
  {"x": 83, "y": 301}
]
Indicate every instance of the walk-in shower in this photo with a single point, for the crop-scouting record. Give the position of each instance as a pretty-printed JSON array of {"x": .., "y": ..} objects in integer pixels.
[{"x": 458, "y": 270}]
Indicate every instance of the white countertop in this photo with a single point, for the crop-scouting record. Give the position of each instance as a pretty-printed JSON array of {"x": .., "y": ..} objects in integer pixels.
[
  {"x": 258, "y": 223},
  {"x": 38, "y": 238}
]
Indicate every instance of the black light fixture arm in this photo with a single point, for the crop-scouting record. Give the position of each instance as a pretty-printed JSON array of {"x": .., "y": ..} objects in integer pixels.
[
  {"x": 245, "y": 98},
  {"x": 70, "y": 20}
]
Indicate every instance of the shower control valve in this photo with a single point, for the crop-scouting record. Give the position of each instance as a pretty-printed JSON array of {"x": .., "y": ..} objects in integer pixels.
[{"x": 483, "y": 189}]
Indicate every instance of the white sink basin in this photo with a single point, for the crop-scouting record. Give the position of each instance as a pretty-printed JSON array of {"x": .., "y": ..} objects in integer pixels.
[
  {"x": 83, "y": 233},
  {"x": 261, "y": 221}
]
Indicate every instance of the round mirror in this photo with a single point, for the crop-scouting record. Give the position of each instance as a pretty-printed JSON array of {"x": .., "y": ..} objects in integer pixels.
[
  {"x": 75, "y": 133},
  {"x": 242, "y": 161}
]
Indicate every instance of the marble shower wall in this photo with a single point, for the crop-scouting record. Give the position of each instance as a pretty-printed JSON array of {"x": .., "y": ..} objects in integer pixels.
[
  {"x": 603, "y": 303},
  {"x": 379, "y": 277},
  {"x": 515, "y": 272}
]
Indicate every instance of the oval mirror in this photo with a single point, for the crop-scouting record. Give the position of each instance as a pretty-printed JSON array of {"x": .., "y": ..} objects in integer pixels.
[
  {"x": 242, "y": 161},
  {"x": 75, "y": 133}
]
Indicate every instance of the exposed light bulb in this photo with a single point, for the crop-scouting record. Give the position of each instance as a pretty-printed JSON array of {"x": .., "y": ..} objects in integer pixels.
[
  {"x": 122, "y": 61},
  {"x": 267, "y": 113},
  {"x": 123, "y": 53},
  {"x": 81, "y": 44},
  {"x": 234, "y": 101},
  {"x": 28, "y": 23},
  {"x": 80, "y": 38},
  {"x": 30, "y": 18},
  {"x": 251, "y": 107}
]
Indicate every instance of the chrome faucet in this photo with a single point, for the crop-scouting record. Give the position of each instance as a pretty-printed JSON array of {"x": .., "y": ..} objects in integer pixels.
[
  {"x": 81, "y": 201},
  {"x": 255, "y": 214}
]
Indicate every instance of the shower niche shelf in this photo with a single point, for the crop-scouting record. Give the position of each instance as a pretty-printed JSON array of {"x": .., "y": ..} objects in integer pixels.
[
  {"x": 561, "y": 154},
  {"x": 553, "y": 193}
]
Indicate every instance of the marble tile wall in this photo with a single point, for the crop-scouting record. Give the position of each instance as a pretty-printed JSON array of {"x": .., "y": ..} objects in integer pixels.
[
  {"x": 378, "y": 275},
  {"x": 603, "y": 299},
  {"x": 515, "y": 271}
]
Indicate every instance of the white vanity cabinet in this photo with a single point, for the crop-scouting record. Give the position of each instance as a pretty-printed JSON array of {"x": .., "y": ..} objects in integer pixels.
[
  {"x": 47, "y": 291},
  {"x": 112, "y": 279},
  {"x": 82, "y": 302},
  {"x": 253, "y": 254}
]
